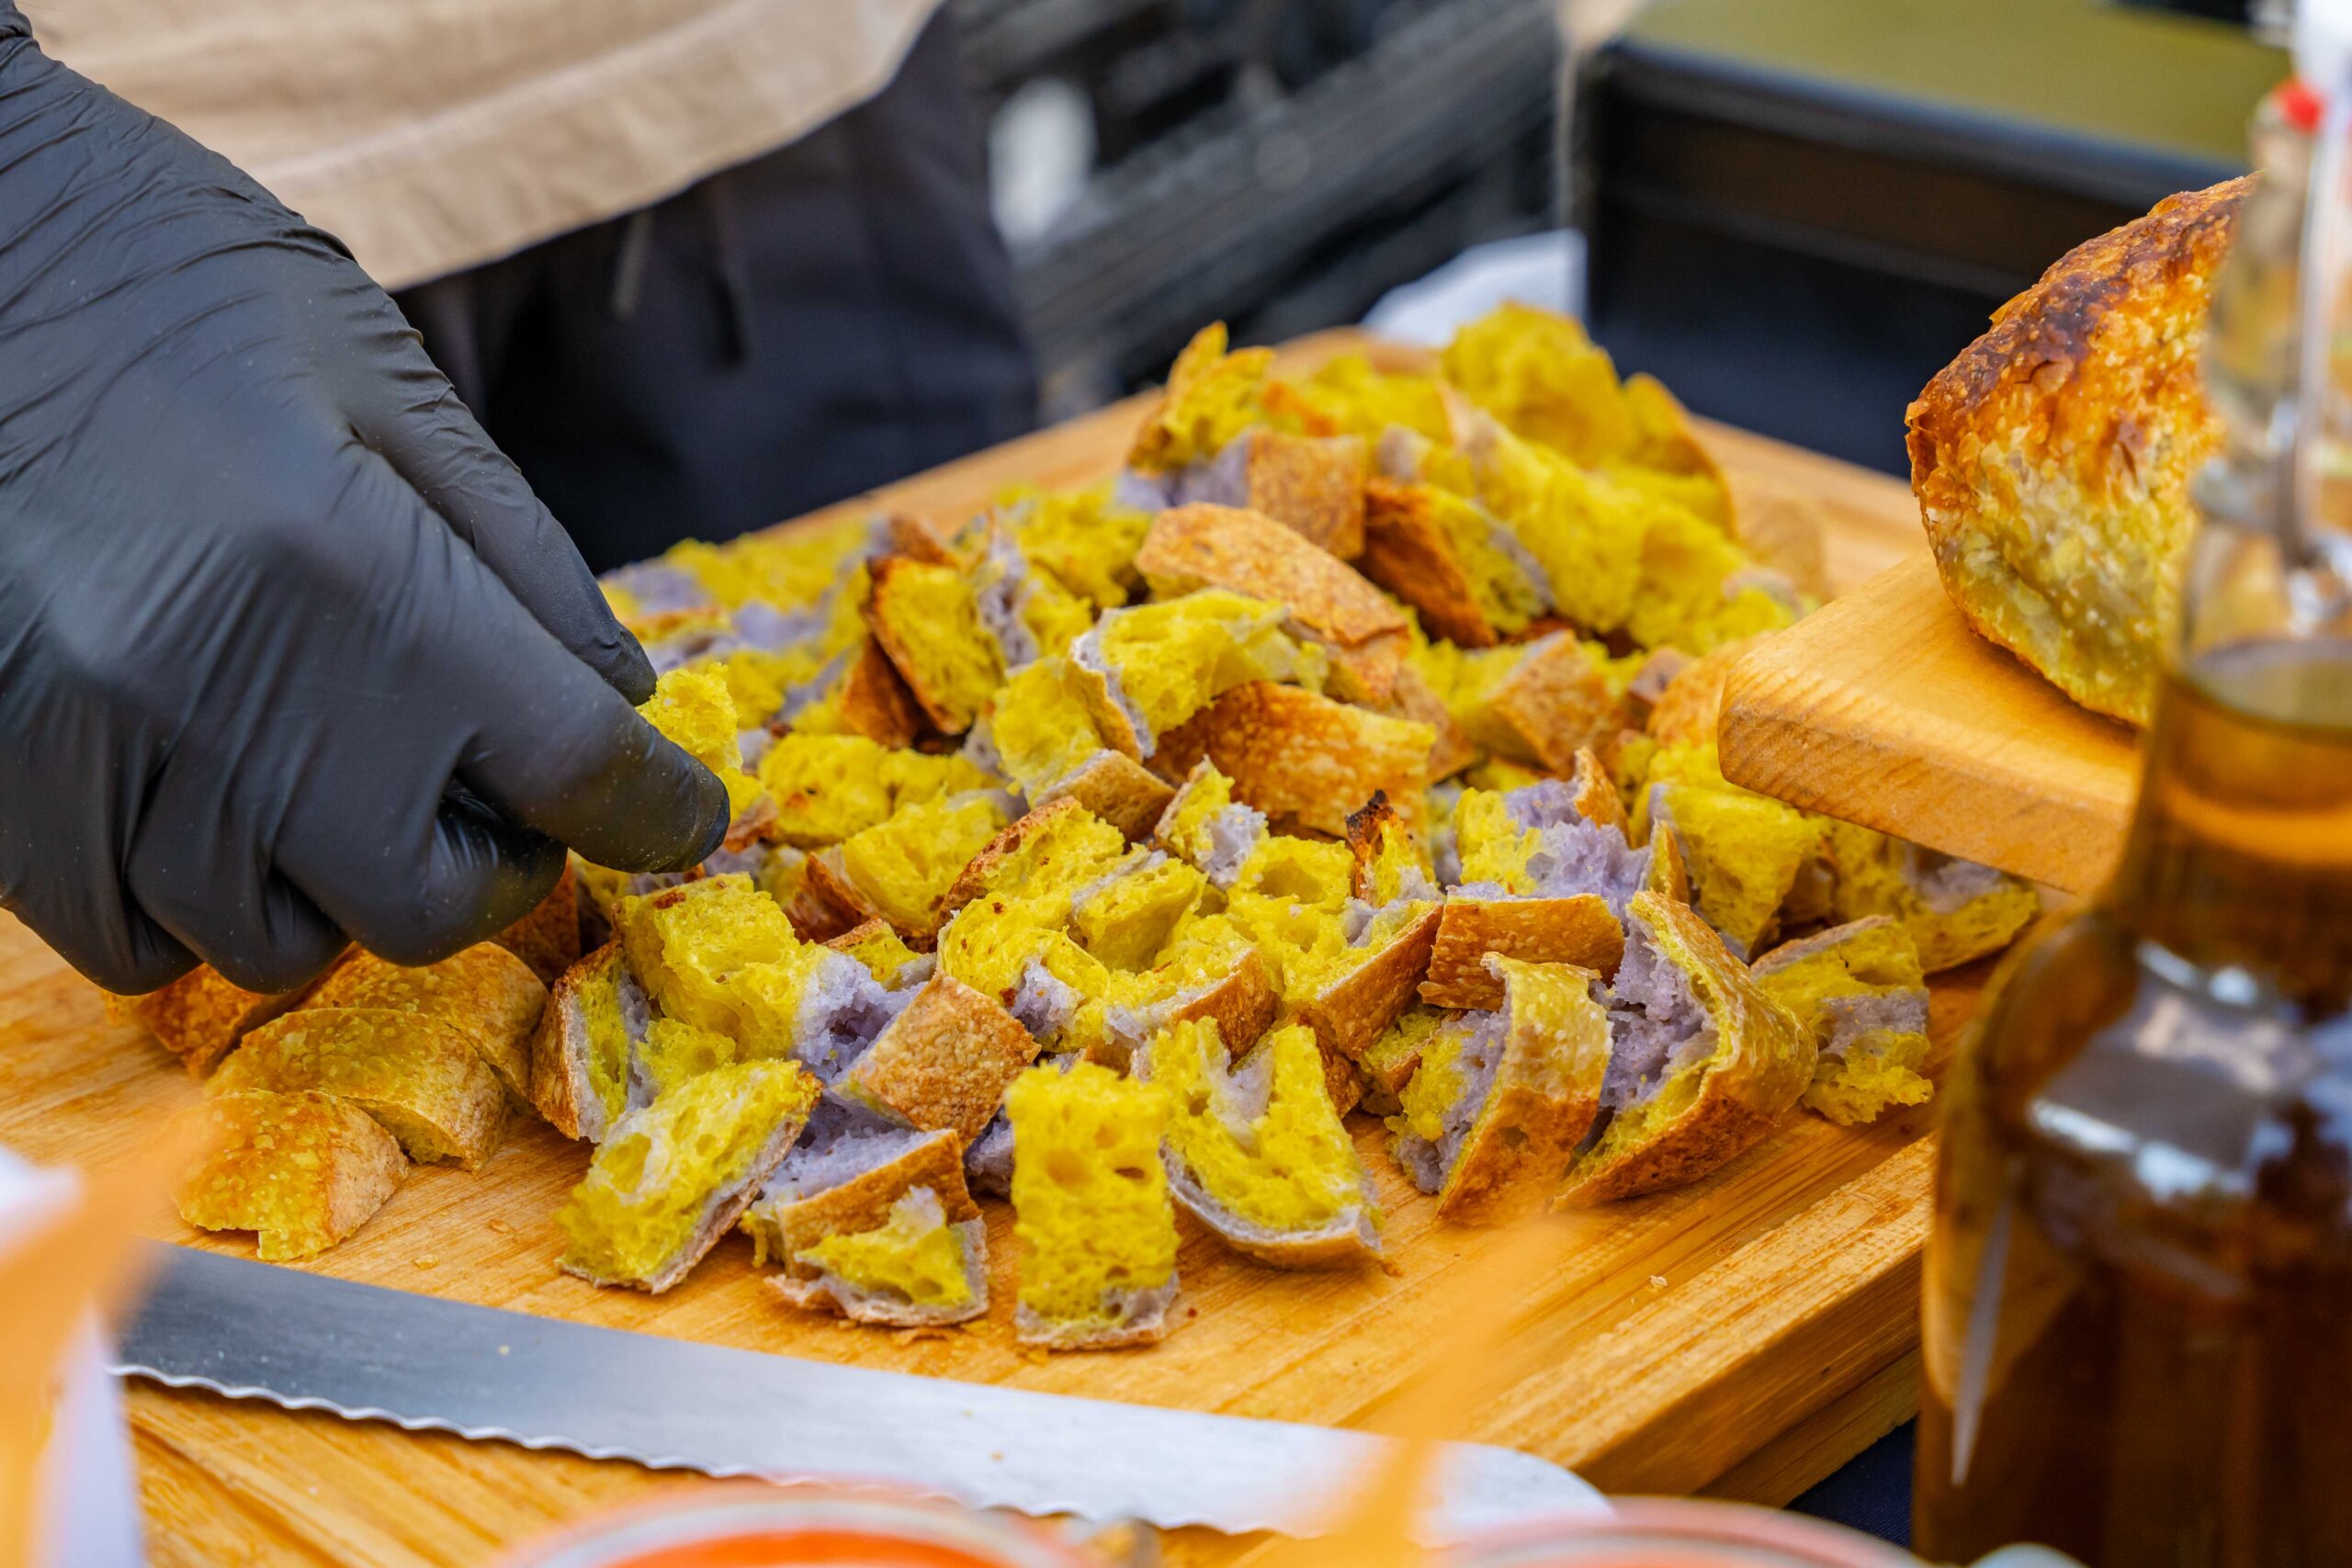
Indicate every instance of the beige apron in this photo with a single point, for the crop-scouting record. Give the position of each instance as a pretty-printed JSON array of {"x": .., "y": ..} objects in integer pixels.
[{"x": 432, "y": 135}]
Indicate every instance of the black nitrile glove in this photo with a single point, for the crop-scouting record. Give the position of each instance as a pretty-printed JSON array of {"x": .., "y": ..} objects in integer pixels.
[{"x": 289, "y": 654}]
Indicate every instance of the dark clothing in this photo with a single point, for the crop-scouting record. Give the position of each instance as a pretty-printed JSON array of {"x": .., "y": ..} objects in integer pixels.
[{"x": 831, "y": 316}]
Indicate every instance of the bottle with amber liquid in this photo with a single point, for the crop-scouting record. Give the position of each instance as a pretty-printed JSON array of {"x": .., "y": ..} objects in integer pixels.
[{"x": 2138, "y": 1309}]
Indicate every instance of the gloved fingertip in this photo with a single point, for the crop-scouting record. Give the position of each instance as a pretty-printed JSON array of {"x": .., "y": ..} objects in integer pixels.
[
  {"x": 288, "y": 968},
  {"x": 627, "y": 669},
  {"x": 716, "y": 815}
]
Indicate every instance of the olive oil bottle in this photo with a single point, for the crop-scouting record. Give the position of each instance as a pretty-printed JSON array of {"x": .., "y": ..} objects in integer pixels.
[{"x": 2138, "y": 1310}]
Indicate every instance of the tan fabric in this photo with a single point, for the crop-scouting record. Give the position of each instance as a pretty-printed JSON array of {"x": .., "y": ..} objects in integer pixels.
[{"x": 431, "y": 135}]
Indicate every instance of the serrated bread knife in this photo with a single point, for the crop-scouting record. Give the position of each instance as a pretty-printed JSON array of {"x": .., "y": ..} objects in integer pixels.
[{"x": 308, "y": 1342}]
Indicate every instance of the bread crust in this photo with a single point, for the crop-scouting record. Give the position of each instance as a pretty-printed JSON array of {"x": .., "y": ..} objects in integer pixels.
[
  {"x": 1578, "y": 930},
  {"x": 1353, "y": 1011},
  {"x": 1142, "y": 1319},
  {"x": 1762, "y": 1064},
  {"x": 484, "y": 991},
  {"x": 1312, "y": 485},
  {"x": 720, "y": 1212},
  {"x": 1691, "y": 704},
  {"x": 1224, "y": 546},
  {"x": 1407, "y": 553},
  {"x": 1295, "y": 754},
  {"x": 561, "y": 1088},
  {"x": 251, "y": 1154},
  {"x": 973, "y": 880},
  {"x": 876, "y": 703},
  {"x": 1115, "y": 787},
  {"x": 201, "y": 1017},
  {"x": 1557, "y": 702},
  {"x": 1351, "y": 1236},
  {"x": 781, "y": 1227},
  {"x": 823, "y": 1292},
  {"x": 421, "y": 1078},
  {"x": 943, "y": 1063},
  {"x": 1594, "y": 794},
  {"x": 2051, "y": 460},
  {"x": 1544, "y": 1097}
]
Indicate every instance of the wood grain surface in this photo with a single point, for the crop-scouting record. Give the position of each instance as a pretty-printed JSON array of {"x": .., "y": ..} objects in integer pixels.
[
  {"x": 1886, "y": 709},
  {"x": 1747, "y": 1333}
]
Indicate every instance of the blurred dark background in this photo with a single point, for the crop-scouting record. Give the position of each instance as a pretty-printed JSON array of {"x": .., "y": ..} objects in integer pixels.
[{"x": 1793, "y": 211}]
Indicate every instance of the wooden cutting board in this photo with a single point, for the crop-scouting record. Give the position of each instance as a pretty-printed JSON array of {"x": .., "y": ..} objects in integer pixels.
[
  {"x": 1886, "y": 709},
  {"x": 1745, "y": 1335}
]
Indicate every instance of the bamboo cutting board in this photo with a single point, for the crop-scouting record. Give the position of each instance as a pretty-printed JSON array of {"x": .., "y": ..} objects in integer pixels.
[
  {"x": 1886, "y": 709},
  {"x": 1745, "y": 1335}
]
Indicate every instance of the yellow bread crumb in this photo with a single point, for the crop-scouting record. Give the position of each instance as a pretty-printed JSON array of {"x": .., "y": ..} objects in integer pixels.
[
  {"x": 649, "y": 1188},
  {"x": 694, "y": 710},
  {"x": 1090, "y": 1195},
  {"x": 915, "y": 1254}
]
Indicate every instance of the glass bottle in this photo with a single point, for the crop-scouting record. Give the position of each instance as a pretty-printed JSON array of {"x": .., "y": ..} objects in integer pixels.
[{"x": 2138, "y": 1308}]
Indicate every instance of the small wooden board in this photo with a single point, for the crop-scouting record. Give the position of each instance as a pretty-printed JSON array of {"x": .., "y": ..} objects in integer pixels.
[
  {"x": 1746, "y": 1333},
  {"x": 1885, "y": 708}
]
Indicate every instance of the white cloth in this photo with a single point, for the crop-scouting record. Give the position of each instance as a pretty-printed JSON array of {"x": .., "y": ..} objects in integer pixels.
[{"x": 432, "y": 135}]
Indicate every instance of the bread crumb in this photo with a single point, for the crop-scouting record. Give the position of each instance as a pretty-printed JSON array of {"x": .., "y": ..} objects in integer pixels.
[
  {"x": 1658, "y": 1281},
  {"x": 499, "y": 1227}
]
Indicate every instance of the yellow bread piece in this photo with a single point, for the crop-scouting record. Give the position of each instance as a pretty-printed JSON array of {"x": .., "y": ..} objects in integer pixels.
[
  {"x": 884, "y": 952},
  {"x": 927, "y": 620},
  {"x": 674, "y": 1051},
  {"x": 580, "y": 1052},
  {"x": 1040, "y": 861},
  {"x": 1312, "y": 486},
  {"x": 1081, "y": 538},
  {"x": 904, "y": 866},
  {"x": 1204, "y": 827},
  {"x": 695, "y": 710},
  {"x": 1859, "y": 990},
  {"x": 1041, "y": 728},
  {"x": 673, "y": 1178},
  {"x": 1256, "y": 1152},
  {"x": 917, "y": 1268},
  {"x": 1744, "y": 854},
  {"x": 1393, "y": 1059},
  {"x": 1539, "y": 703},
  {"x": 2053, "y": 458},
  {"x": 199, "y": 1017},
  {"x": 420, "y": 1077},
  {"x": 1727, "y": 1091},
  {"x": 1584, "y": 532},
  {"x": 1954, "y": 909},
  {"x": 300, "y": 1170},
  {"x": 1538, "y": 372},
  {"x": 1493, "y": 1115},
  {"x": 1192, "y": 548},
  {"x": 1146, "y": 670},
  {"x": 720, "y": 953},
  {"x": 1691, "y": 594},
  {"x": 1090, "y": 1209},
  {"x": 485, "y": 993},
  {"x": 1302, "y": 757},
  {"x": 788, "y": 570},
  {"x": 943, "y": 1064},
  {"x": 1349, "y": 997},
  {"x": 1126, "y": 918},
  {"x": 1451, "y": 561},
  {"x": 1212, "y": 397},
  {"x": 827, "y": 787},
  {"x": 1348, "y": 396},
  {"x": 870, "y": 699}
]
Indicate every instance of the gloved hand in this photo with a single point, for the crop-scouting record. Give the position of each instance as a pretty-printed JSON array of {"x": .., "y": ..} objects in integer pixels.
[{"x": 289, "y": 654}]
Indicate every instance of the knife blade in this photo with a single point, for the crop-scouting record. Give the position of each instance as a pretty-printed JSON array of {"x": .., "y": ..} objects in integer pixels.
[{"x": 251, "y": 1330}]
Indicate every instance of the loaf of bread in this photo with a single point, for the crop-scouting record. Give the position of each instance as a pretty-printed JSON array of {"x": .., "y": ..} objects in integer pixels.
[{"x": 2051, "y": 460}]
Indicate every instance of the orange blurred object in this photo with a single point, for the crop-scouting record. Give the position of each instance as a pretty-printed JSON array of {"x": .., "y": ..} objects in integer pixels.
[
  {"x": 758, "y": 1527},
  {"x": 1647, "y": 1532}
]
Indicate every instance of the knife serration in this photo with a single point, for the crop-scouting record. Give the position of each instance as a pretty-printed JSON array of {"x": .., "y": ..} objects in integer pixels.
[{"x": 250, "y": 1330}]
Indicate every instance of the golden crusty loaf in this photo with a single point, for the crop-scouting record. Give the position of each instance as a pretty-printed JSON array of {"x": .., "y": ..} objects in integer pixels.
[{"x": 2051, "y": 460}]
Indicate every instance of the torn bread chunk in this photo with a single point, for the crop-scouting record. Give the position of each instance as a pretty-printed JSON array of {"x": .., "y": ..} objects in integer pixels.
[
  {"x": 1146, "y": 670},
  {"x": 580, "y": 1052},
  {"x": 674, "y": 1177},
  {"x": 421, "y": 1078},
  {"x": 1592, "y": 793},
  {"x": 847, "y": 1170},
  {"x": 900, "y": 869},
  {"x": 1393, "y": 1059},
  {"x": 1192, "y": 548},
  {"x": 917, "y": 1268},
  {"x": 1353, "y": 998},
  {"x": 201, "y": 1017},
  {"x": 1538, "y": 703},
  {"x": 302, "y": 1171},
  {"x": 943, "y": 1064},
  {"x": 1115, "y": 787},
  {"x": 1256, "y": 1153},
  {"x": 695, "y": 710},
  {"x": 1955, "y": 909},
  {"x": 884, "y": 954},
  {"x": 1578, "y": 930},
  {"x": 1389, "y": 863},
  {"x": 1040, "y": 860},
  {"x": 1859, "y": 990},
  {"x": 485, "y": 992},
  {"x": 1090, "y": 1209},
  {"x": 1703, "y": 1063},
  {"x": 1302, "y": 757},
  {"x": 987, "y": 1164},
  {"x": 1467, "y": 576},
  {"x": 1743, "y": 852},
  {"x": 926, "y": 617},
  {"x": 1127, "y": 915},
  {"x": 1219, "y": 983},
  {"x": 1207, "y": 829},
  {"x": 1500, "y": 1099}
]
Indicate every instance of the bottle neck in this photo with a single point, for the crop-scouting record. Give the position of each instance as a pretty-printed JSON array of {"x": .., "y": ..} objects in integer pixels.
[{"x": 2240, "y": 853}]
